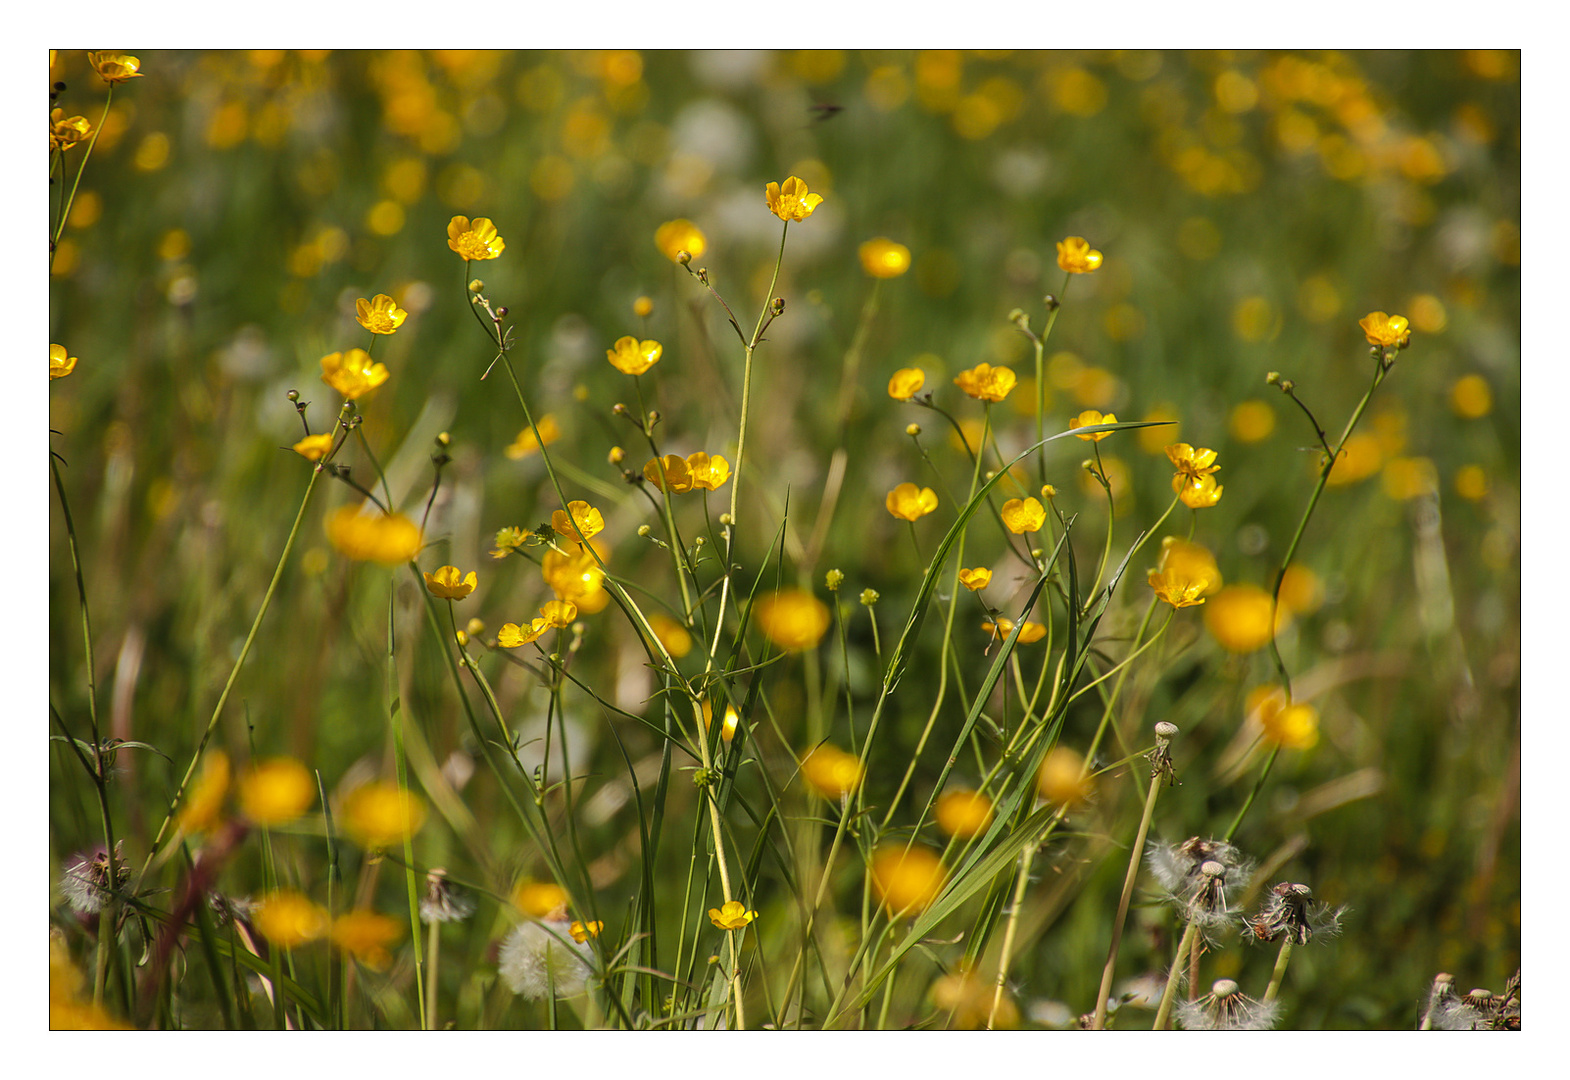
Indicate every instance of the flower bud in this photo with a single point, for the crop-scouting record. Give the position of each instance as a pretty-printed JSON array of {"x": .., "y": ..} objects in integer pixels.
[
  {"x": 443, "y": 439},
  {"x": 684, "y": 257},
  {"x": 777, "y": 305},
  {"x": 1273, "y": 378},
  {"x": 869, "y": 597},
  {"x": 834, "y": 579},
  {"x": 1048, "y": 491},
  {"x": 293, "y": 395},
  {"x": 476, "y": 286},
  {"x": 616, "y": 455},
  {"x": 643, "y": 530},
  {"x": 913, "y": 430},
  {"x": 1050, "y": 301}
]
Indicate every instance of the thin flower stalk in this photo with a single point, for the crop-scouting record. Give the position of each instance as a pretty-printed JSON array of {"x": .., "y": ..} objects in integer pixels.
[{"x": 81, "y": 167}]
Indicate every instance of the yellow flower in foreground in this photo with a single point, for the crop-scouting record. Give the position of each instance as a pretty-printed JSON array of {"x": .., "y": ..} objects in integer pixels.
[
  {"x": 1198, "y": 494},
  {"x": 905, "y": 382},
  {"x": 908, "y": 502},
  {"x": 276, "y": 791},
  {"x": 1238, "y": 617},
  {"x": 582, "y": 931},
  {"x": 313, "y": 447},
  {"x": 447, "y": 585},
  {"x": 831, "y": 771},
  {"x": 289, "y": 919},
  {"x": 541, "y": 899},
  {"x": 708, "y": 471},
  {"x": 962, "y": 813},
  {"x": 883, "y": 258},
  {"x": 1294, "y": 726},
  {"x": 1004, "y": 626},
  {"x": 790, "y": 201},
  {"x": 1185, "y": 574},
  {"x": 633, "y": 357},
  {"x": 352, "y": 373},
  {"x": 66, "y": 131},
  {"x": 379, "y": 314},
  {"x": 577, "y": 578},
  {"x": 985, "y": 382},
  {"x": 204, "y": 804},
  {"x": 70, "y": 1004},
  {"x": 672, "y": 634},
  {"x": 1024, "y": 515},
  {"x": 669, "y": 473},
  {"x": 381, "y": 814},
  {"x": 792, "y": 619},
  {"x": 968, "y": 999},
  {"x": 365, "y": 935},
  {"x": 115, "y": 67},
  {"x": 526, "y": 443},
  {"x": 559, "y": 613},
  {"x": 578, "y": 522},
  {"x": 1061, "y": 779},
  {"x": 474, "y": 240},
  {"x": 732, "y": 916},
  {"x": 388, "y": 539},
  {"x": 1191, "y": 463},
  {"x": 1090, "y": 418},
  {"x": 1076, "y": 256},
  {"x": 674, "y": 237},
  {"x": 1383, "y": 330},
  {"x": 906, "y": 882},
  {"x": 976, "y": 579},
  {"x": 61, "y": 363}
]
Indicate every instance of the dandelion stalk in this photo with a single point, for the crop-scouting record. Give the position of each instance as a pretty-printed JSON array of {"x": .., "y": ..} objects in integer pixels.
[
  {"x": 1283, "y": 958},
  {"x": 1175, "y": 976}
]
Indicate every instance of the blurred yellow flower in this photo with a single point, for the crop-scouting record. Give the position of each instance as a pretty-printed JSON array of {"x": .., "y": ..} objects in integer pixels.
[
  {"x": 1198, "y": 494},
  {"x": 1300, "y": 591},
  {"x": 680, "y": 235},
  {"x": 976, "y": 579},
  {"x": 365, "y": 935},
  {"x": 1471, "y": 482},
  {"x": 577, "y": 577},
  {"x": 1024, "y": 515},
  {"x": 906, "y": 881},
  {"x": 728, "y": 725},
  {"x": 474, "y": 240},
  {"x": 582, "y": 931},
  {"x": 969, "y": 999},
  {"x": 908, "y": 502},
  {"x": 831, "y": 772},
  {"x": 1470, "y": 397},
  {"x": 1238, "y": 617},
  {"x": 115, "y": 67},
  {"x": 276, "y": 791},
  {"x": 541, "y": 899},
  {"x": 578, "y": 522},
  {"x": 70, "y": 1003},
  {"x": 388, "y": 539},
  {"x": 985, "y": 382},
  {"x": 509, "y": 539},
  {"x": 1076, "y": 256},
  {"x": 1062, "y": 778},
  {"x": 883, "y": 258},
  {"x": 352, "y": 373},
  {"x": 204, "y": 804},
  {"x": 1294, "y": 725},
  {"x": 380, "y": 814},
  {"x": 289, "y": 919},
  {"x": 559, "y": 613},
  {"x": 643, "y": 307},
  {"x": 446, "y": 583},
  {"x": 1004, "y": 626},
  {"x": 1252, "y": 421},
  {"x": 1090, "y": 418},
  {"x": 904, "y": 383},
  {"x": 60, "y": 363},
  {"x": 790, "y": 201},
  {"x": 963, "y": 813},
  {"x": 526, "y": 443},
  {"x": 66, "y": 131},
  {"x": 733, "y": 915},
  {"x": 313, "y": 447},
  {"x": 379, "y": 314},
  {"x": 708, "y": 472},
  {"x": 1361, "y": 457},
  {"x": 672, "y": 634},
  {"x": 1185, "y": 574},
  {"x": 792, "y": 619},
  {"x": 1383, "y": 330},
  {"x": 633, "y": 357}
]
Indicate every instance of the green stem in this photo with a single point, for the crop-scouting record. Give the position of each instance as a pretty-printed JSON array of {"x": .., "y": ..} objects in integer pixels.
[
  {"x": 1134, "y": 859},
  {"x": 1164, "y": 1012},
  {"x": 1283, "y": 958},
  {"x": 65, "y": 210}
]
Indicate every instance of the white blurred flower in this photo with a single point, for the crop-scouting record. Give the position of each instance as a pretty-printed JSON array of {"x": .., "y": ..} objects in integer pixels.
[{"x": 535, "y": 956}]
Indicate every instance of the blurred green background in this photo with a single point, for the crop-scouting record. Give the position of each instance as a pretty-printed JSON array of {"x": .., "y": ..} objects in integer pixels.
[{"x": 1252, "y": 206}]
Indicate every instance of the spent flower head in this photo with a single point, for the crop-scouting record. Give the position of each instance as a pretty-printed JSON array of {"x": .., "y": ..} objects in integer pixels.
[
  {"x": 1226, "y": 1008},
  {"x": 537, "y": 958},
  {"x": 1199, "y": 877},
  {"x": 1290, "y": 911},
  {"x": 443, "y": 902},
  {"x": 115, "y": 68},
  {"x": 87, "y": 882}
]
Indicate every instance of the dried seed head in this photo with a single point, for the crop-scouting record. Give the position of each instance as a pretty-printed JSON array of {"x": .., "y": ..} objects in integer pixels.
[
  {"x": 1289, "y": 910},
  {"x": 1225, "y": 1009}
]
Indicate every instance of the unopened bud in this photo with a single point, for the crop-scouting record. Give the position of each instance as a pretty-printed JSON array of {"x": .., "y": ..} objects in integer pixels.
[
  {"x": 913, "y": 430},
  {"x": 1287, "y": 386},
  {"x": 1048, "y": 491},
  {"x": 501, "y": 313},
  {"x": 643, "y": 530},
  {"x": 616, "y": 455},
  {"x": 654, "y": 417},
  {"x": 476, "y": 628},
  {"x": 700, "y": 541},
  {"x": 619, "y": 409},
  {"x": 463, "y": 639},
  {"x": 684, "y": 257},
  {"x": 1273, "y": 378},
  {"x": 293, "y": 395},
  {"x": 1019, "y": 318},
  {"x": 725, "y": 519},
  {"x": 443, "y": 439},
  {"x": 1050, "y": 301},
  {"x": 476, "y": 286},
  {"x": 777, "y": 305}
]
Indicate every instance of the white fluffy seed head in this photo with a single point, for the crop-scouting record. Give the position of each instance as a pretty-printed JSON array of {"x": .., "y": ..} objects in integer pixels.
[{"x": 535, "y": 957}]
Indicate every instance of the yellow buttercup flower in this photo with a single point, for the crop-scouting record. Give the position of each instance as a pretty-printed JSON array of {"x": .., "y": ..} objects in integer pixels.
[
  {"x": 388, "y": 539},
  {"x": 526, "y": 443},
  {"x": 1293, "y": 725},
  {"x": 559, "y": 613},
  {"x": 203, "y": 805},
  {"x": 66, "y": 131},
  {"x": 365, "y": 935},
  {"x": 289, "y": 919},
  {"x": 674, "y": 237},
  {"x": 905, "y": 382},
  {"x": 1238, "y": 617},
  {"x": 792, "y": 619},
  {"x": 1023, "y": 515},
  {"x": 313, "y": 447},
  {"x": 976, "y": 579},
  {"x": 1198, "y": 494},
  {"x": 1191, "y": 463},
  {"x": 831, "y": 772},
  {"x": 1076, "y": 256},
  {"x": 669, "y": 473},
  {"x": 883, "y": 258},
  {"x": 643, "y": 307},
  {"x": 1029, "y": 633},
  {"x": 963, "y": 813},
  {"x": 380, "y": 314},
  {"x": 509, "y": 539},
  {"x": 582, "y": 931},
  {"x": 115, "y": 68},
  {"x": 578, "y": 522},
  {"x": 514, "y": 636},
  {"x": 633, "y": 357},
  {"x": 1383, "y": 330},
  {"x": 276, "y": 791},
  {"x": 733, "y": 915},
  {"x": 1185, "y": 574},
  {"x": 1090, "y": 418},
  {"x": 380, "y": 814},
  {"x": 708, "y": 471},
  {"x": 446, "y": 584},
  {"x": 474, "y": 240},
  {"x": 908, "y": 502},
  {"x": 790, "y": 201},
  {"x": 352, "y": 373},
  {"x": 541, "y": 899},
  {"x": 1061, "y": 779},
  {"x": 61, "y": 363},
  {"x": 985, "y": 382},
  {"x": 907, "y": 881}
]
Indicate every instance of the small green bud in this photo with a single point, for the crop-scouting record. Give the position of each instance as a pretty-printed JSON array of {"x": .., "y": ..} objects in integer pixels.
[
  {"x": 869, "y": 597},
  {"x": 834, "y": 579}
]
